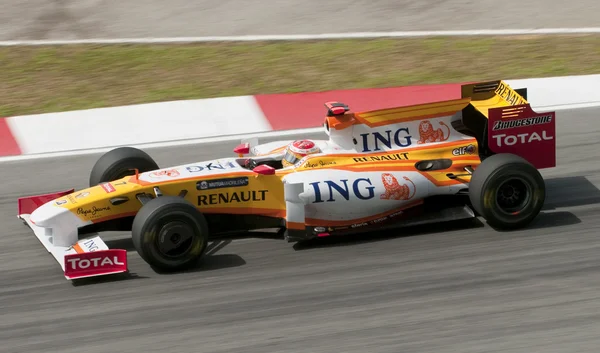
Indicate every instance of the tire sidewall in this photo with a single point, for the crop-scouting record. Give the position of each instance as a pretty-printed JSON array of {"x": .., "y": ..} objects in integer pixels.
[
  {"x": 491, "y": 185},
  {"x": 123, "y": 168},
  {"x": 490, "y": 175},
  {"x": 149, "y": 222},
  {"x": 119, "y": 162}
]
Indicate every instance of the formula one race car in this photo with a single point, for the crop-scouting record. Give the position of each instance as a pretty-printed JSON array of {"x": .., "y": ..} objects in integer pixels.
[{"x": 389, "y": 168}]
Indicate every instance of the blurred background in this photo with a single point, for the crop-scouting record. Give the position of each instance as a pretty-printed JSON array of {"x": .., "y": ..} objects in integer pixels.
[
  {"x": 94, "y": 75},
  {"x": 464, "y": 288}
]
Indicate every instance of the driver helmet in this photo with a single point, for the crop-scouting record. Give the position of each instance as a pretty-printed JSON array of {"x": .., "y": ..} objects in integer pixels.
[{"x": 297, "y": 150}]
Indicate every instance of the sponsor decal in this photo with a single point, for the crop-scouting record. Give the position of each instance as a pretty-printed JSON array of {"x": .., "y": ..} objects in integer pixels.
[
  {"x": 379, "y": 220},
  {"x": 320, "y": 163},
  {"x": 299, "y": 163},
  {"x": 303, "y": 146},
  {"x": 361, "y": 188},
  {"x": 428, "y": 134},
  {"x": 82, "y": 264},
  {"x": 512, "y": 97},
  {"x": 90, "y": 245},
  {"x": 387, "y": 157},
  {"x": 108, "y": 187},
  {"x": 92, "y": 212},
  {"x": 232, "y": 197},
  {"x": 222, "y": 183},
  {"x": 510, "y": 140},
  {"x": 121, "y": 183},
  {"x": 61, "y": 202},
  {"x": 396, "y": 191},
  {"x": 369, "y": 223},
  {"x": 359, "y": 225},
  {"x": 210, "y": 167},
  {"x": 390, "y": 138},
  {"x": 82, "y": 195},
  {"x": 461, "y": 151},
  {"x": 396, "y": 214},
  {"x": 171, "y": 173},
  {"x": 502, "y": 125}
]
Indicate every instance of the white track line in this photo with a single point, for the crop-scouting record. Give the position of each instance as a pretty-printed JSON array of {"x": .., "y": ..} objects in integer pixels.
[{"x": 289, "y": 37}]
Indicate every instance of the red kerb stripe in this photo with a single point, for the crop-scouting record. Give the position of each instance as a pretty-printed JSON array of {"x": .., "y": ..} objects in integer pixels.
[
  {"x": 306, "y": 110},
  {"x": 8, "y": 143}
]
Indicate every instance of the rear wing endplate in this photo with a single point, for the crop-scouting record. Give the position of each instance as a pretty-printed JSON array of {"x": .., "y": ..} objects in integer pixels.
[{"x": 512, "y": 125}]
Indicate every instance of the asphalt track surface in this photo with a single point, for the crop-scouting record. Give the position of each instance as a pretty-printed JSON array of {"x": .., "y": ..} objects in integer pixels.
[
  {"x": 84, "y": 19},
  {"x": 459, "y": 287}
]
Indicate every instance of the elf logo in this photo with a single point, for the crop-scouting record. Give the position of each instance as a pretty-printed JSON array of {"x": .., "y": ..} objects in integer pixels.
[{"x": 461, "y": 151}]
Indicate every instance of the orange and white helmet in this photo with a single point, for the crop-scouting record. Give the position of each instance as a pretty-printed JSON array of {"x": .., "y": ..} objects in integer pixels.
[{"x": 297, "y": 150}]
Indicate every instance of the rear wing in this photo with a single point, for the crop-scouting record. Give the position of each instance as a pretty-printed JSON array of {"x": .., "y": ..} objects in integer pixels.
[
  {"x": 510, "y": 125},
  {"x": 493, "y": 94}
]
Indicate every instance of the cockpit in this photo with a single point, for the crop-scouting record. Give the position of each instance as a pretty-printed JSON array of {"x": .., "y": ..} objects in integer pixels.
[{"x": 291, "y": 155}]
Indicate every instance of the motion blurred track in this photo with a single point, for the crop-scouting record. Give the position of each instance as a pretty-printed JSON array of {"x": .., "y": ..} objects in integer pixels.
[
  {"x": 83, "y": 19},
  {"x": 454, "y": 288}
]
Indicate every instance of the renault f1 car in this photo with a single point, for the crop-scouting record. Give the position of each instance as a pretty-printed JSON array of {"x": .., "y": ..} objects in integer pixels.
[{"x": 477, "y": 155}]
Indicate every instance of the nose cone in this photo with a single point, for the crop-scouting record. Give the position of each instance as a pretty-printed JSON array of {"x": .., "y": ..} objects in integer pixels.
[{"x": 51, "y": 215}]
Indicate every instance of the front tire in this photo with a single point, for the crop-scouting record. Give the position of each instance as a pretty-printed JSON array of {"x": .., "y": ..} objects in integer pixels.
[
  {"x": 118, "y": 163},
  {"x": 170, "y": 234},
  {"x": 507, "y": 191}
]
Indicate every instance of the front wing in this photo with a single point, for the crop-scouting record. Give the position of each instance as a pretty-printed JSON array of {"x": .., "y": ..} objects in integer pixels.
[{"x": 88, "y": 257}]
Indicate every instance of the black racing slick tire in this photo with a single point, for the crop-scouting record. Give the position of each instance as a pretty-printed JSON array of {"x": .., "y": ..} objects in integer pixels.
[
  {"x": 507, "y": 191},
  {"x": 170, "y": 234},
  {"x": 120, "y": 162}
]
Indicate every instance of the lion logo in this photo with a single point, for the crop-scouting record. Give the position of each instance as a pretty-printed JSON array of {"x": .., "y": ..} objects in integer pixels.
[
  {"x": 428, "y": 134},
  {"x": 172, "y": 173},
  {"x": 395, "y": 191}
]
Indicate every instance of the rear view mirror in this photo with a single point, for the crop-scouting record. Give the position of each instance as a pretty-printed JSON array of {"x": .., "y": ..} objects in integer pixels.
[
  {"x": 264, "y": 170},
  {"x": 242, "y": 149}
]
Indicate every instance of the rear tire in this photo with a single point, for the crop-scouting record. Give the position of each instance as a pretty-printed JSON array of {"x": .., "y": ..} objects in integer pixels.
[
  {"x": 118, "y": 163},
  {"x": 507, "y": 191},
  {"x": 170, "y": 234}
]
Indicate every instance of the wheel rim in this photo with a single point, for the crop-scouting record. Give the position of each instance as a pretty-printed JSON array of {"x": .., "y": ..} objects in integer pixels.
[
  {"x": 123, "y": 174},
  {"x": 175, "y": 239},
  {"x": 513, "y": 195}
]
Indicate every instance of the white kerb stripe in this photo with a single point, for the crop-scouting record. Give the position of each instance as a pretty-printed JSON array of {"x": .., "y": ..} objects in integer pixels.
[
  {"x": 547, "y": 92},
  {"x": 138, "y": 124}
]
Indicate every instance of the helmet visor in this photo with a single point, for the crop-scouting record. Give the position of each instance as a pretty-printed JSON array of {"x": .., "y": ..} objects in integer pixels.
[{"x": 291, "y": 157}]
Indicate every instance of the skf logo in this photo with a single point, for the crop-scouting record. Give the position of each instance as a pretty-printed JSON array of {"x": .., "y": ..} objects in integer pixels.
[{"x": 461, "y": 151}]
